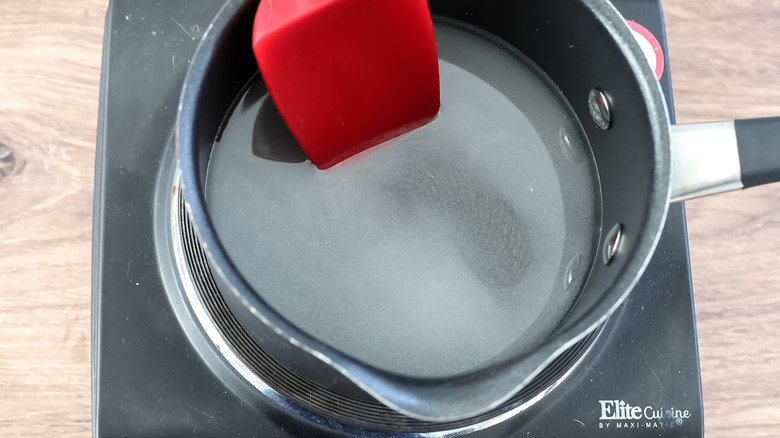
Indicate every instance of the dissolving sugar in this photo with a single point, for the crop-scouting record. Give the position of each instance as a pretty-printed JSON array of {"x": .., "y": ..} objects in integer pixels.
[{"x": 452, "y": 247}]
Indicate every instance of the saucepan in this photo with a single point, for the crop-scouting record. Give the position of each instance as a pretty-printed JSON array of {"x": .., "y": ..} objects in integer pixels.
[{"x": 511, "y": 228}]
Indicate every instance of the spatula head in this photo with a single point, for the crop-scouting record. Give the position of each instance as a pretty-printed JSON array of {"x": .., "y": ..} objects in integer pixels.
[{"x": 347, "y": 75}]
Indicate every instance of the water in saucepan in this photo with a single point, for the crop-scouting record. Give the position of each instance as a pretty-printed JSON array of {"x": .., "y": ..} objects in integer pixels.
[{"x": 452, "y": 247}]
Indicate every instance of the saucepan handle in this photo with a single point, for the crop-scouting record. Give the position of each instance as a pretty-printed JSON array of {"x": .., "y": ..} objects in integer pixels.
[{"x": 710, "y": 158}]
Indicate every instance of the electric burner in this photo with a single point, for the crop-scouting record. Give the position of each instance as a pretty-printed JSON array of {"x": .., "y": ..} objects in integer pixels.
[{"x": 170, "y": 359}]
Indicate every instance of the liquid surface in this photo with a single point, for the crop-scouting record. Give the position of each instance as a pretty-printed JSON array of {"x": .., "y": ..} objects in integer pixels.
[{"x": 447, "y": 249}]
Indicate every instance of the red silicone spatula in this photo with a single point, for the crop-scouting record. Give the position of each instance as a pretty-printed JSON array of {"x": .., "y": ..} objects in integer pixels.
[{"x": 347, "y": 75}]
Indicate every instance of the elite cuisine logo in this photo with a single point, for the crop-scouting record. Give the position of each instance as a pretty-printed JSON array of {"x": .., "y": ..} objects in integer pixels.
[{"x": 618, "y": 414}]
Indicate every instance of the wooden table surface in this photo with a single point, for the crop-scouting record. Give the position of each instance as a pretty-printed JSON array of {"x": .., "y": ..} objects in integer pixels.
[{"x": 725, "y": 59}]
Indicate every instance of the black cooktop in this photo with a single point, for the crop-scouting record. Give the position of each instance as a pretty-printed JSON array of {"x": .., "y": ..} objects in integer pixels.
[{"x": 157, "y": 373}]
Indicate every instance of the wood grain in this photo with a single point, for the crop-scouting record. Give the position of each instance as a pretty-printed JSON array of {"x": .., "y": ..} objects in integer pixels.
[
  {"x": 725, "y": 61},
  {"x": 50, "y": 56},
  {"x": 725, "y": 64}
]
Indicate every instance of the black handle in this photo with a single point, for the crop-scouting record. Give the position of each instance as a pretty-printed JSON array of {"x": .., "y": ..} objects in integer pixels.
[{"x": 758, "y": 141}]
